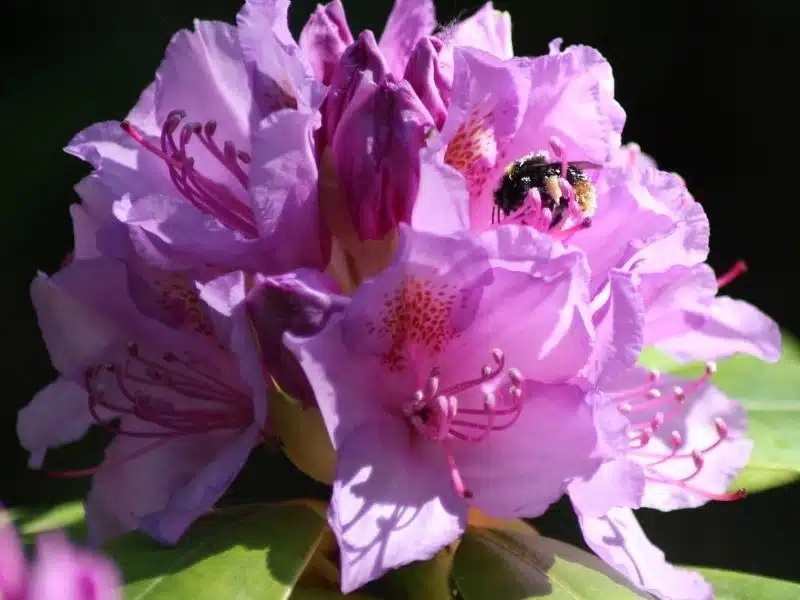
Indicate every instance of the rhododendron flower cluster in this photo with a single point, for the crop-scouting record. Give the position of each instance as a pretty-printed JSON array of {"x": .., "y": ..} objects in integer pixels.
[{"x": 321, "y": 217}]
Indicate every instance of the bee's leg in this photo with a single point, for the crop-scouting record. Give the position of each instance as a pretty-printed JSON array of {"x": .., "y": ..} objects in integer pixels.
[{"x": 558, "y": 213}]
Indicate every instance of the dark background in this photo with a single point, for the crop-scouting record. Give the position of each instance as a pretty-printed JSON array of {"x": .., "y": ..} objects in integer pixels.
[{"x": 705, "y": 91}]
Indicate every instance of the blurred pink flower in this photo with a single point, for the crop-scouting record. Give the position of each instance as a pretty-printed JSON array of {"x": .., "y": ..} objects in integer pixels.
[{"x": 59, "y": 571}]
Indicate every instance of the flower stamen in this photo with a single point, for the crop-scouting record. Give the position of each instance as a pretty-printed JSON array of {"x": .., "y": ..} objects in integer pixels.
[
  {"x": 733, "y": 273},
  {"x": 202, "y": 192},
  {"x": 150, "y": 387},
  {"x": 645, "y": 398},
  {"x": 434, "y": 413}
]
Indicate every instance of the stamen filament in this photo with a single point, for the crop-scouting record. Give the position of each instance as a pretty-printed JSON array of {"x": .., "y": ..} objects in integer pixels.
[
  {"x": 206, "y": 195},
  {"x": 432, "y": 412},
  {"x": 735, "y": 271}
]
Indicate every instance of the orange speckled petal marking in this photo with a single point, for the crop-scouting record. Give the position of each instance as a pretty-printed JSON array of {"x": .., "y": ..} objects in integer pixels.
[
  {"x": 417, "y": 315},
  {"x": 474, "y": 151}
]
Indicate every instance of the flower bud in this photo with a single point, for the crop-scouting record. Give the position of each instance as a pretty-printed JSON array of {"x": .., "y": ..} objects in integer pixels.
[
  {"x": 424, "y": 74},
  {"x": 361, "y": 62},
  {"x": 297, "y": 303},
  {"x": 375, "y": 151},
  {"x": 324, "y": 39}
]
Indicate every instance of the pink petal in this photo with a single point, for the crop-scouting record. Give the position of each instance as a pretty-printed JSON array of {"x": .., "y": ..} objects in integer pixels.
[
  {"x": 301, "y": 303},
  {"x": 122, "y": 167},
  {"x": 409, "y": 21},
  {"x": 362, "y": 63},
  {"x": 282, "y": 77},
  {"x": 442, "y": 204},
  {"x": 392, "y": 504},
  {"x": 618, "y": 539},
  {"x": 725, "y": 328},
  {"x": 627, "y": 218},
  {"x": 195, "y": 497},
  {"x": 346, "y": 397},
  {"x": 618, "y": 321},
  {"x": 162, "y": 485},
  {"x": 84, "y": 229},
  {"x": 572, "y": 98},
  {"x": 534, "y": 275},
  {"x": 181, "y": 236},
  {"x": 617, "y": 483},
  {"x": 283, "y": 188},
  {"x": 57, "y": 415},
  {"x": 75, "y": 334},
  {"x": 488, "y": 30},
  {"x": 96, "y": 197},
  {"x": 684, "y": 241},
  {"x": 203, "y": 73},
  {"x": 520, "y": 471},
  {"x": 226, "y": 296},
  {"x": 667, "y": 293}
]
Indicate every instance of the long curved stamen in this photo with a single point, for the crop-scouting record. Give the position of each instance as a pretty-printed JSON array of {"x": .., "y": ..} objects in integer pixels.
[
  {"x": 205, "y": 194},
  {"x": 109, "y": 464},
  {"x": 733, "y": 273},
  {"x": 154, "y": 389},
  {"x": 645, "y": 398},
  {"x": 436, "y": 414}
]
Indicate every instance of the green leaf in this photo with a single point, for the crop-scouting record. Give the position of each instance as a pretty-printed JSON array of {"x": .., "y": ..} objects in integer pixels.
[
  {"x": 730, "y": 585},
  {"x": 771, "y": 395},
  {"x": 31, "y": 522},
  {"x": 422, "y": 580},
  {"x": 304, "y": 593},
  {"x": 248, "y": 553},
  {"x": 492, "y": 564}
]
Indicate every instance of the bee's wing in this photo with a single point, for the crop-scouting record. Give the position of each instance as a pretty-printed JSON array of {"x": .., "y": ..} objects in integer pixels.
[{"x": 583, "y": 165}]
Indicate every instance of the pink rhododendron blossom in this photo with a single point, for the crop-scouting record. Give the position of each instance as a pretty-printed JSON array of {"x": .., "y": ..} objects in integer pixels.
[
  {"x": 59, "y": 571},
  {"x": 172, "y": 361},
  {"x": 220, "y": 182},
  {"x": 194, "y": 166},
  {"x": 437, "y": 396},
  {"x": 686, "y": 443},
  {"x": 559, "y": 106},
  {"x": 686, "y": 440}
]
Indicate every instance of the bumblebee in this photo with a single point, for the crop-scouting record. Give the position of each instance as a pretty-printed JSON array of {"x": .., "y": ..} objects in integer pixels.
[{"x": 534, "y": 171}]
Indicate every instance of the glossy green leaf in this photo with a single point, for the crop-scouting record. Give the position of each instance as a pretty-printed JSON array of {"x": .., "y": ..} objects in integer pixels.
[
  {"x": 730, "y": 585},
  {"x": 248, "y": 553},
  {"x": 771, "y": 394},
  {"x": 492, "y": 564}
]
